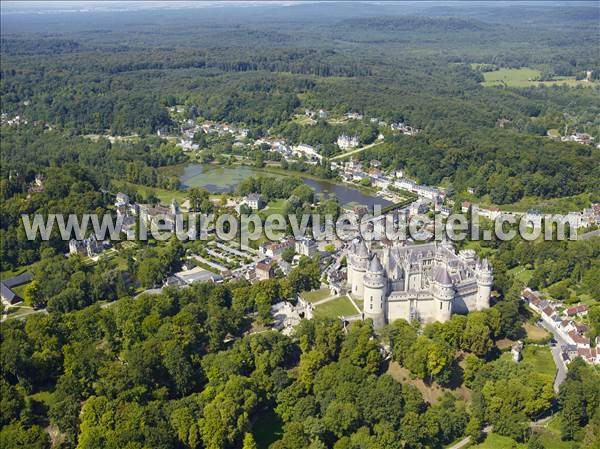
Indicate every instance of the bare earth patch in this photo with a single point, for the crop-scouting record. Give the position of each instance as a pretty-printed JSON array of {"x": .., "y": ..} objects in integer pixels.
[
  {"x": 535, "y": 332},
  {"x": 431, "y": 393}
]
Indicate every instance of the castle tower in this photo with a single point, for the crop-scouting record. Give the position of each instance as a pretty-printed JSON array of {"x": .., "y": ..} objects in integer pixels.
[
  {"x": 485, "y": 280},
  {"x": 350, "y": 266},
  {"x": 359, "y": 260},
  {"x": 443, "y": 293},
  {"x": 374, "y": 293}
]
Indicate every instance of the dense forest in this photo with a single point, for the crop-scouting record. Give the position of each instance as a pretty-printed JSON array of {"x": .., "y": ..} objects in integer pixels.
[
  {"x": 420, "y": 70},
  {"x": 167, "y": 359}
]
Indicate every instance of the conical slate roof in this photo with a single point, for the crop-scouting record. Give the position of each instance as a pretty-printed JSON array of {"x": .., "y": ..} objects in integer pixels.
[
  {"x": 362, "y": 250},
  {"x": 442, "y": 276},
  {"x": 375, "y": 265}
]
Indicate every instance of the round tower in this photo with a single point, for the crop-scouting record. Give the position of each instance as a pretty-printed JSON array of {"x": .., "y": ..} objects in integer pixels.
[
  {"x": 374, "y": 293},
  {"x": 360, "y": 260},
  {"x": 485, "y": 280},
  {"x": 350, "y": 265},
  {"x": 443, "y": 294}
]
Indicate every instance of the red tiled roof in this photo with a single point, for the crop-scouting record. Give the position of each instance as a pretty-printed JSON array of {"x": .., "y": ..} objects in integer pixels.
[
  {"x": 264, "y": 266},
  {"x": 548, "y": 311},
  {"x": 587, "y": 353},
  {"x": 578, "y": 339},
  {"x": 531, "y": 297},
  {"x": 581, "y": 308}
]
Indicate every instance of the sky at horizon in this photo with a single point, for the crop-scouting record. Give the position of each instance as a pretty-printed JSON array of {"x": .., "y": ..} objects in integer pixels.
[{"x": 37, "y": 6}]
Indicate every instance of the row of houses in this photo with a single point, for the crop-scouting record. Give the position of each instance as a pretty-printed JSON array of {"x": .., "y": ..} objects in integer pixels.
[
  {"x": 564, "y": 322},
  {"x": 580, "y": 219}
]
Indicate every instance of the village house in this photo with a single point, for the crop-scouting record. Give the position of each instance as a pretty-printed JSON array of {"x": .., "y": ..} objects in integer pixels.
[
  {"x": 264, "y": 271},
  {"x": 572, "y": 332},
  {"x": 582, "y": 138},
  {"x": 275, "y": 249},
  {"x": 354, "y": 116},
  {"x": 346, "y": 142},
  {"x": 89, "y": 246},
  {"x": 254, "y": 201},
  {"x": 306, "y": 247},
  {"x": 578, "y": 310},
  {"x": 303, "y": 150}
]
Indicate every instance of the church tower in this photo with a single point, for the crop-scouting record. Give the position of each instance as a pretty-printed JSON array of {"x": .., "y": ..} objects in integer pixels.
[
  {"x": 374, "y": 293},
  {"x": 443, "y": 294},
  {"x": 485, "y": 280}
]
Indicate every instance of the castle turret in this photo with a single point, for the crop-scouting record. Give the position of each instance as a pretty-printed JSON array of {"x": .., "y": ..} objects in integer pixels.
[
  {"x": 485, "y": 280},
  {"x": 443, "y": 293},
  {"x": 374, "y": 293},
  {"x": 359, "y": 261}
]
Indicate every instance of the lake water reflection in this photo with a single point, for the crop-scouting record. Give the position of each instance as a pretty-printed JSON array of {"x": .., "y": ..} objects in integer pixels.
[{"x": 225, "y": 179}]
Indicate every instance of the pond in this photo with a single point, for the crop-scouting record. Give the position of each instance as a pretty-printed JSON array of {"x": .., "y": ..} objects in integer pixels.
[{"x": 225, "y": 179}]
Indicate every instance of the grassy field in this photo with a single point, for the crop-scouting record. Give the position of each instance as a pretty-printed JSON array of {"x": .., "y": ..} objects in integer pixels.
[
  {"x": 522, "y": 274},
  {"x": 274, "y": 207},
  {"x": 267, "y": 429},
  {"x": 165, "y": 196},
  {"x": 335, "y": 308},
  {"x": 535, "y": 333},
  {"x": 315, "y": 295},
  {"x": 539, "y": 358},
  {"x": 495, "y": 441},
  {"x": 525, "y": 77},
  {"x": 4, "y": 275}
]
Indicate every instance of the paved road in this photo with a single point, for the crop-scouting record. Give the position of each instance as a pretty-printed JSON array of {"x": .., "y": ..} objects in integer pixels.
[
  {"x": 589, "y": 235},
  {"x": 561, "y": 368}
]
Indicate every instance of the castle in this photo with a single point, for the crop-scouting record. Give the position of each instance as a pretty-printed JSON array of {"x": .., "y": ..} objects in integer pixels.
[{"x": 426, "y": 282}]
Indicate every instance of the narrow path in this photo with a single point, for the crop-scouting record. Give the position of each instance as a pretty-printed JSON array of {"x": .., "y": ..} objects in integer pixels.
[
  {"x": 358, "y": 150},
  {"x": 353, "y": 303},
  {"x": 324, "y": 300},
  {"x": 465, "y": 441}
]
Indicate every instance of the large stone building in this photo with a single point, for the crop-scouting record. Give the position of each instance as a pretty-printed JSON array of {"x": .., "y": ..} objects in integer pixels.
[{"x": 427, "y": 282}]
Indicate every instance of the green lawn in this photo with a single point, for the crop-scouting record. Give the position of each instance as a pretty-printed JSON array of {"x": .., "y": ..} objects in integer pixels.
[
  {"x": 45, "y": 397},
  {"x": 4, "y": 275},
  {"x": 267, "y": 429},
  {"x": 315, "y": 295},
  {"x": 165, "y": 196},
  {"x": 525, "y": 77},
  {"x": 335, "y": 308},
  {"x": 539, "y": 358},
  {"x": 20, "y": 289},
  {"x": 522, "y": 274},
  {"x": 274, "y": 207},
  {"x": 494, "y": 441}
]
